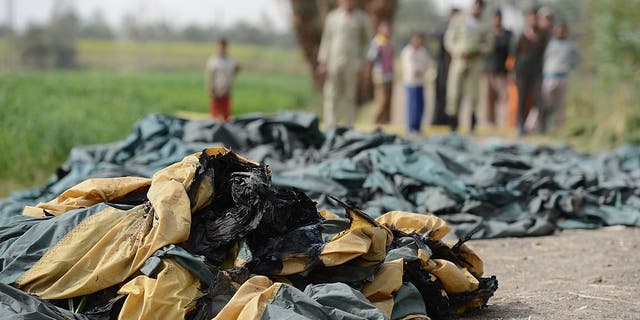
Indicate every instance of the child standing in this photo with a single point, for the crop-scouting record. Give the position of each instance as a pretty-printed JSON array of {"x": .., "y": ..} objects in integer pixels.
[
  {"x": 560, "y": 58},
  {"x": 415, "y": 62},
  {"x": 220, "y": 72},
  {"x": 381, "y": 55}
]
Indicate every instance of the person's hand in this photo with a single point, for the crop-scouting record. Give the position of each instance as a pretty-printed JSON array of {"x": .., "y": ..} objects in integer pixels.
[
  {"x": 418, "y": 74},
  {"x": 469, "y": 54},
  {"x": 510, "y": 63},
  {"x": 321, "y": 69}
]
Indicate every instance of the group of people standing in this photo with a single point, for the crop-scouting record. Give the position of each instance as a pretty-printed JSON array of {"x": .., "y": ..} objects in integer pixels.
[
  {"x": 415, "y": 61},
  {"x": 473, "y": 55}
]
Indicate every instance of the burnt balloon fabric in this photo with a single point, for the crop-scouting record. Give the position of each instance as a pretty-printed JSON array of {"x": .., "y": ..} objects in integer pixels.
[{"x": 211, "y": 237}]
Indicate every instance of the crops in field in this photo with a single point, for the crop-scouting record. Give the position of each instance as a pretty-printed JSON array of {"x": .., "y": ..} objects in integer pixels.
[{"x": 44, "y": 114}]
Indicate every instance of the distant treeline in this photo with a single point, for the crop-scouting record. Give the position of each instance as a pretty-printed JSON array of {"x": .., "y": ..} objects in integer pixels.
[
  {"x": 608, "y": 32},
  {"x": 131, "y": 28},
  {"x": 52, "y": 44}
]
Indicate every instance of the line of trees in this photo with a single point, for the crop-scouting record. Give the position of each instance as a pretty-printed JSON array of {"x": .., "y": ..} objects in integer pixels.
[
  {"x": 53, "y": 44},
  {"x": 241, "y": 31},
  {"x": 131, "y": 28},
  {"x": 609, "y": 29}
]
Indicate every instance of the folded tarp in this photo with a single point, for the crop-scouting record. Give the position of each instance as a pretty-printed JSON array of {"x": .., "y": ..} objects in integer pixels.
[
  {"x": 16, "y": 304},
  {"x": 502, "y": 189},
  {"x": 98, "y": 235}
]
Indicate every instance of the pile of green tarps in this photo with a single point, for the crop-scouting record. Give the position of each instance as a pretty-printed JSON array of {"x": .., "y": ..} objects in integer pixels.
[{"x": 503, "y": 189}]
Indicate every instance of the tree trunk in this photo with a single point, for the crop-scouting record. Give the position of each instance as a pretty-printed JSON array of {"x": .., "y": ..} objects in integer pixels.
[
  {"x": 308, "y": 21},
  {"x": 307, "y": 24},
  {"x": 380, "y": 10}
]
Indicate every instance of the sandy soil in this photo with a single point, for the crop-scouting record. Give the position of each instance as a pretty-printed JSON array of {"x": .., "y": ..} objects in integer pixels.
[{"x": 574, "y": 274}]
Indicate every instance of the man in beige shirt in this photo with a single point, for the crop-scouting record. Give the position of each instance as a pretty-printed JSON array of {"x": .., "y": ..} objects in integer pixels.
[
  {"x": 342, "y": 51},
  {"x": 468, "y": 39}
]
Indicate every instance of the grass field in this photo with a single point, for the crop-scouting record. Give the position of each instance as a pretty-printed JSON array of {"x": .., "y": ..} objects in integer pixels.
[
  {"x": 182, "y": 55},
  {"x": 144, "y": 56},
  {"x": 43, "y": 115}
]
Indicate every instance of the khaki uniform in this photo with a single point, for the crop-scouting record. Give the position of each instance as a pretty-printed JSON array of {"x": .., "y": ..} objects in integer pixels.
[
  {"x": 343, "y": 48},
  {"x": 466, "y": 34}
]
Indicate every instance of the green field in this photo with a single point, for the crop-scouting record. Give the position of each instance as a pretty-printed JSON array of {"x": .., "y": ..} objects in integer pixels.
[
  {"x": 182, "y": 55},
  {"x": 43, "y": 114},
  {"x": 126, "y": 55}
]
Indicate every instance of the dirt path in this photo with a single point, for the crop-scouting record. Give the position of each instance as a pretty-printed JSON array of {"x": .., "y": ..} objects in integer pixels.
[{"x": 575, "y": 274}]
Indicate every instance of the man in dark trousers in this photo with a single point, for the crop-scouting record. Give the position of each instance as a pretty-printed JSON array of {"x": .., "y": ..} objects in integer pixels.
[
  {"x": 444, "y": 59},
  {"x": 495, "y": 72},
  {"x": 529, "y": 61}
]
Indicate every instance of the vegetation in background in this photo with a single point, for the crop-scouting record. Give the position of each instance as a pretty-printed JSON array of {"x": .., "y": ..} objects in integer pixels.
[
  {"x": 52, "y": 45},
  {"x": 604, "y": 108},
  {"x": 604, "y": 101},
  {"x": 44, "y": 115},
  {"x": 155, "y": 55},
  {"x": 123, "y": 76},
  {"x": 417, "y": 15}
]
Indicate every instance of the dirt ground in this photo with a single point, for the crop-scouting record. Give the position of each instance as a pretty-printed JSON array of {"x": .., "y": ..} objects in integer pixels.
[{"x": 574, "y": 274}]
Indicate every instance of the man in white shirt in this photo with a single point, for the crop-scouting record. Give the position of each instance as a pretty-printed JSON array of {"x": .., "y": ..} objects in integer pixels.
[
  {"x": 342, "y": 52},
  {"x": 415, "y": 62},
  {"x": 220, "y": 73},
  {"x": 560, "y": 57}
]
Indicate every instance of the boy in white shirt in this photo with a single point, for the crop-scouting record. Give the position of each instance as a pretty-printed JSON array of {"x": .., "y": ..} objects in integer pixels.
[
  {"x": 220, "y": 72},
  {"x": 415, "y": 62}
]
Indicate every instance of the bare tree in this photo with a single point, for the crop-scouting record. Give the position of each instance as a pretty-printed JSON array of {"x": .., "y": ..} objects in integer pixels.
[
  {"x": 307, "y": 24},
  {"x": 381, "y": 10},
  {"x": 308, "y": 19}
]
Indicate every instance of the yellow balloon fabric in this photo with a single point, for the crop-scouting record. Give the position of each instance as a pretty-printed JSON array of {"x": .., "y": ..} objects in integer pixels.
[
  {"x": 167, "y": 296},
  {"x": 109, "y": 247},
  {"x": 365, "y": 240},
  {"x": 386, "y": 282},
  {"x": 250, "y": 300},
  {"x": 88, "y": 193},
  {"x": 453, "y": 278},
  {"x": 423, "y": 224}
]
